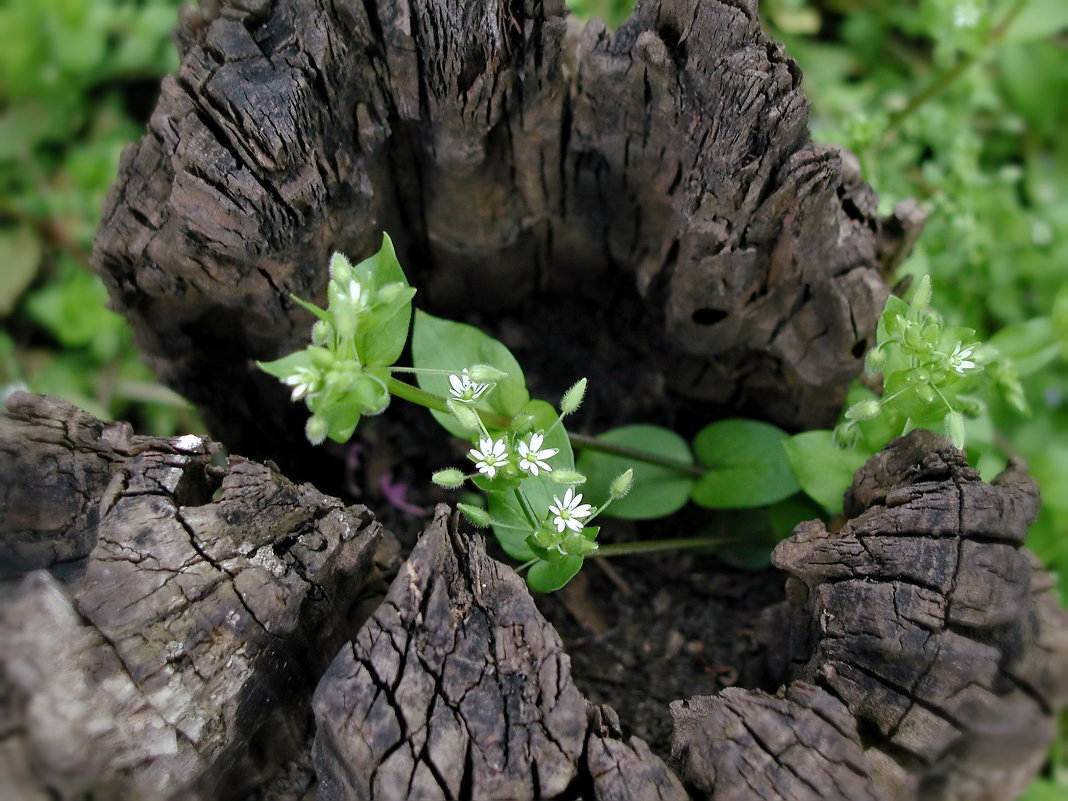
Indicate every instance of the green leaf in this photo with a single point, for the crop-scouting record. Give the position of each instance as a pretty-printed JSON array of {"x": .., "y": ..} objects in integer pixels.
[
  {"x": 381, "y": 342},
  {"x": 20, "y": 256},
  {"x": 1031, "y": 344},
  {"x": 823, "y": 470},
  {"x": 550, "y": 576},
  {"x": 657, "y": 491},
  {"x": 280, "y": 368},
  {"x": 446, "y": 345},
  {"x": 342, "y": 416},
  {"x": 747, "y": 465},
  {"x": 504, "y": 507}
]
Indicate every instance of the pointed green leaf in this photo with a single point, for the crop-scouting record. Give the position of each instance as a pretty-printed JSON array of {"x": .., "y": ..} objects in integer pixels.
[
  {"x": 382, "y": 334},
  {"x": 446, "y": 345}
]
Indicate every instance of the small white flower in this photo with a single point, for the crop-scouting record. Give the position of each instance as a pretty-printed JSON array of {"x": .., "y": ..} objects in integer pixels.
[
  {"x": 464, "y": 389},
  {"x": 571, "y": 512},
  {"x": 304, "y": 381},
  {"x": 489, "y": 456},
  {"x": 966, "y": 14},
  {"x": 532, "y": 457},
  {"x": 356, "y": 295},
  {"x": 960, "y": 360}
]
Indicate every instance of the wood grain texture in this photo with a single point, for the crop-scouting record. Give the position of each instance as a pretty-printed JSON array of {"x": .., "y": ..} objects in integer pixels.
[
  {"x": 179, "y": 660},
  {"x": 657, "y": 179},
  {"x": 930, "y": 622}
]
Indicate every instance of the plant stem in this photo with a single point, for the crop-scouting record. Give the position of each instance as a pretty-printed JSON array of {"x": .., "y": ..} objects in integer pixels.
[
  {"x": 429, "y": 400},
  {"x": 593, "y": 444},
  {"x": 653, "y": 546},
  {"x": 525, "y": 565},
  {"x": 954, "y": 72}
]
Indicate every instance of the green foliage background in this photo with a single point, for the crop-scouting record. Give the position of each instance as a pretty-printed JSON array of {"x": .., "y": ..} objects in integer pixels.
[{"x": 958, "y": 103}]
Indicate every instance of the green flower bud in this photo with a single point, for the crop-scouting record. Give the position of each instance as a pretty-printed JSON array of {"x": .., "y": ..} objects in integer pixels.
[
  {"x": 486, "y": 374},
  {"x": 567, "y": 477},
  {"x": 316, "y": 430},
  {"x": 390, "y": 292},
  {"x": 621, "y": 484},
  {"x": 575, "y": 544},
  {"x": 865, "y": 410},
  {"x": 464, "y": 414},
  {"x": 970, "y": 407},
  {"x": 925, "y": 392},
  {"x": 913, "y": 337},
  {"x": 476, "y": 515},
  {"x": 321, "y": 357},
  {"x": 573, "y": 397},
  {"x": 546, "y": 537},
  {"x": 322, "y": 332},
  {"x": 875, "y": 361},
  {"x": 845, "y": 435},
  {"x": 522, "y": 423},
  {"x": 921, "y": 296},
  {"x": 340, "y": 268},
  {"x": 449, "y": 478},
  {"x": 344, "y": 321},
  {"x": 954, "y": 424}
]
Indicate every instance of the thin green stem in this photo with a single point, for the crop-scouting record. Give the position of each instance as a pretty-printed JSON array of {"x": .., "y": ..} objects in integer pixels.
[
  {"x": 654, "y": 546},
  {"x": 525, "y": 565},
  {"x": 953, "y": 73},
  {"x": 429, "y": 400},
  {"x": 594, "y": 444}
]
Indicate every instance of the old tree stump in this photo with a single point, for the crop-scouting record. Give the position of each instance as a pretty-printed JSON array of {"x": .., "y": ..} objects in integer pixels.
[{"x": 177, "y": 623}]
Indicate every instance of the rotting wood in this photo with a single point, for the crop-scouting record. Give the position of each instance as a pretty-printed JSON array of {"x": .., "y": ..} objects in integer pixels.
[
  {"x": 925, "y": 616},
  {"x": 921, "y": 651},
  {"x": 178, "y": 659},
  {"x": 655, "y": 184}
]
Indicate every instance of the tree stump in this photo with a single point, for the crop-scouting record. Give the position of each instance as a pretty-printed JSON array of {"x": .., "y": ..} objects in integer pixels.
[
  {"x": 920, "y": 652},
  {"x": 652, "y": 192}
]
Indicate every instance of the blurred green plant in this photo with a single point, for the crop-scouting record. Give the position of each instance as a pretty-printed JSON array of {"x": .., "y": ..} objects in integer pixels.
[{"x": 77, "y": 80}]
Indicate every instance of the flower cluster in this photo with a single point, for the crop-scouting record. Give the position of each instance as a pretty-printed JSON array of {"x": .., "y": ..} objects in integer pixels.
[{"x": 928, "y": 369}]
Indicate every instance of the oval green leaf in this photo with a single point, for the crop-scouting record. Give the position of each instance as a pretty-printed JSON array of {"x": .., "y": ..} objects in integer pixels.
[
  {"x": 747, "y": 465},
  {"x": 823, "y": 470},
  {"x": 657, "y": 491},
  {"x": 550, "y": 576}
]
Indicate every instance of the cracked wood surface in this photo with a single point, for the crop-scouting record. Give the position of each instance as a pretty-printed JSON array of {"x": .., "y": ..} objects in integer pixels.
[
  {"x": 657, "y": 179},
  {"x": 178, "y": 659},
  {"x": 920, "y": 652},
  {"x": 927, "y": 619}
]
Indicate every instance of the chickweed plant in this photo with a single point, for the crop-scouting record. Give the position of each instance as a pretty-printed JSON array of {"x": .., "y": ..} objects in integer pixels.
[{"x": 539, "y": 501}]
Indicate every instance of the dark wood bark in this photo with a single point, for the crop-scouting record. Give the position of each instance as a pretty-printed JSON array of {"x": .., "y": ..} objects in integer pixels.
[
  {"x": 654, "y": 185},
  {"x": 921, "y": 653},
  {"x": 927, "y": 619},
  {"x": 173, "y": 617}
]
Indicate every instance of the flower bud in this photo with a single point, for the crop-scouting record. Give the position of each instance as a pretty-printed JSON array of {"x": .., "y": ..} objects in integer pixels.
[
  {"x": 925, "y": 392},
  {"x": 321, "y": 332},
  {"x": 321, "y": 357},
  {"x": 865, "y": 410},
  {"x": 621, "y": 484},
  {"x": 970, "y": 407},
  {"x": 486, "y": 374},
  {"x": 449, "y": 478},
  {"x": 390, "y": 292},
  {"x": 575, "y": 544},
  {"x": 921, "y": 296},
  {"x": 340, "y": 268},
  {"x": 573, "y": 397},
  {"x": 316, "y": 429},
  {"x": 954, "y": 424},
  {"x": 464, "y": 414},
  {"x": 567, "y": 477},
  {"x": 875, "y": 361},
  {"x": 522, "y": 423},
  {"x": 476, "y": 515},
  {"x": 845, "y": 436}
]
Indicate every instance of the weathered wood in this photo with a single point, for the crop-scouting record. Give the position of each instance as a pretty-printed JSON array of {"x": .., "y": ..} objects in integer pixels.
[
  {"x": 657, "y": 180},
  {"x": 179, "y": 659},
  {"x": 456, "y": 688},
  {"x": 800, "y": 745},
  {"x": 929, "y": 621}
]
